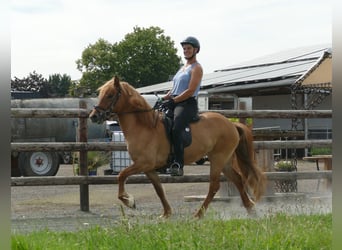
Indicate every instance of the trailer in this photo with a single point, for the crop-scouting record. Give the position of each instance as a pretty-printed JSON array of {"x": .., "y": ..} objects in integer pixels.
[{"x": 48, "y": 130}]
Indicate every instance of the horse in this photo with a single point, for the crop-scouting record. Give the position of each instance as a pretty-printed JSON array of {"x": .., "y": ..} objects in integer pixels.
[{"x": 228, "y": 146}]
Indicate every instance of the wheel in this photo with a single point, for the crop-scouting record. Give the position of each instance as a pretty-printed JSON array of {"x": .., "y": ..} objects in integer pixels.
[{"x": 38, "y": 163}]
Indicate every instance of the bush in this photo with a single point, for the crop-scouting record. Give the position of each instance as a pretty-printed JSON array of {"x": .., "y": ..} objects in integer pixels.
[
  {"x": 320, "y": 151},
  {"x": 284, "y": 166},
  {"x": 95, "y": 159}
]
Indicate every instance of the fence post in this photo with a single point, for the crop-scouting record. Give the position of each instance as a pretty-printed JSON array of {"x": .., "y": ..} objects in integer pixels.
[
  {"x": 83, "y": 137},
  {"x": 242, "y": 106}
]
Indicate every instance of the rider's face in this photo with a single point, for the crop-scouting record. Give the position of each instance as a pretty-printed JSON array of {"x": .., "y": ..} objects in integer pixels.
[{"x": 188, "y": 50}]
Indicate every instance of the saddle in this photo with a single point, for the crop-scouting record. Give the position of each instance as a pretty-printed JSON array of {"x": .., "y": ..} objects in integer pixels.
[{"x": 186, "y": 134}]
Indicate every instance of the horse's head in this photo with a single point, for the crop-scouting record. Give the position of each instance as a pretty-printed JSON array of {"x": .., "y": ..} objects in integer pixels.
[{"x": 109, "y": 95}]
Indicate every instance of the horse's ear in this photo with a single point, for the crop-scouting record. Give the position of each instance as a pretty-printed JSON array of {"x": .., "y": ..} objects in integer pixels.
[{"x": 116, "y": 81}]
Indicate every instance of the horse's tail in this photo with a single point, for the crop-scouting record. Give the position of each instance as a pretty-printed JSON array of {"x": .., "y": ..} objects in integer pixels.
[{"x": 246, "y": 166}]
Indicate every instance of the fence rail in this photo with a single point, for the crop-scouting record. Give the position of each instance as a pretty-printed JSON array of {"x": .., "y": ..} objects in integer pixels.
[
  {"x": 142, "y": 179},
  {"x": 83, "y": 113},
  {"x": 121, "y": 146},
  {"x": 49, "y": 113},
  {"x": 83, "y": 146}
]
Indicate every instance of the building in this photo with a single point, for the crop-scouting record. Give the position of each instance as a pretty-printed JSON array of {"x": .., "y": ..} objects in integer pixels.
[{"x": 299, "y": 78}]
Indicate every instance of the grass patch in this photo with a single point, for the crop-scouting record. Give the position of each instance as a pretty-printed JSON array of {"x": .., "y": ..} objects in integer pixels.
[{"x": 278, "y": 231}]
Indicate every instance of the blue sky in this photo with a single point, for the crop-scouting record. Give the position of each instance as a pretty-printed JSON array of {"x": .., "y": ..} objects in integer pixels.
[{"x": 48, "y": 36}]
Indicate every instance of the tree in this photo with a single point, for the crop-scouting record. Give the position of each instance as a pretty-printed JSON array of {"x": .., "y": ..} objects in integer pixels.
[
  {"x": 147, "y": 57},
  {"x": 144, "y": 57},
  {"x": 34, "y": 82},
  {"x": 59, "y": 85},
  {"x": 97, "y": 64}
]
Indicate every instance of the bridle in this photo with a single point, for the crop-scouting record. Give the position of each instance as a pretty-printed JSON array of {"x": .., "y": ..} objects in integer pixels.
[{"x": 106, "y": 114}]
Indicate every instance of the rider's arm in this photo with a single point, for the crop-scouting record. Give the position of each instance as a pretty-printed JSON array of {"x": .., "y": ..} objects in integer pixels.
[{"x": 195, "y": 80}]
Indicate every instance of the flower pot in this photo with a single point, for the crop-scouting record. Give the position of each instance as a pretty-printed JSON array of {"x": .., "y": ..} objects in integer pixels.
[
  {"x": 92, "y": 172},
  {"x": 287, "y": 185}
]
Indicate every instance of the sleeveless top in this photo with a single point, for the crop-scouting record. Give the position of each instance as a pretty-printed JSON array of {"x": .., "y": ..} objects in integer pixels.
[{"x": 182, "y": 79}]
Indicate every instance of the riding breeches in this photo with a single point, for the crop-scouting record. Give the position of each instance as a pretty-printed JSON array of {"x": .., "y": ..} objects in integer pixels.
[{"x": 183, "y": 112}]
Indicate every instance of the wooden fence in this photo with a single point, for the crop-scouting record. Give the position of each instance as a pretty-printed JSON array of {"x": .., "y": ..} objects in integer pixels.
[{"x": 83, "y": 146}]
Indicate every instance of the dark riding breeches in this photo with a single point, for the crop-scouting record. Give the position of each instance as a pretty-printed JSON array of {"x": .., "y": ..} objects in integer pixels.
[{"x": 184, "y": 112}]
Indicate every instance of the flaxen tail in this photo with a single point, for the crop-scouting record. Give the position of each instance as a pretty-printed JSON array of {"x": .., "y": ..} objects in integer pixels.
[{"x": 245, "y": 164}]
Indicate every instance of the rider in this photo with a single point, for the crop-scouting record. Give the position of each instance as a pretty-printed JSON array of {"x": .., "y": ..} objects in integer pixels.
[{"x": 182, "y": 99}]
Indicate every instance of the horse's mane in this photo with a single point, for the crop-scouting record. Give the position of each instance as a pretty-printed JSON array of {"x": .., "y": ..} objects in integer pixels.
[
  {"x": 136, "y": 99},
  {"x": 140, "y": 106}
]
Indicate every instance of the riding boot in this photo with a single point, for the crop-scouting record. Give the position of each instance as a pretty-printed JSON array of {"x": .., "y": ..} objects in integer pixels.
[{"x": 176, "y": 167}]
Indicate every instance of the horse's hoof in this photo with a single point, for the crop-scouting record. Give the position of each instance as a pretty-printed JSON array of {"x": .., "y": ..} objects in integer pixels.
[
  {"x": 250, "y": 207},
  {"x": 164, "y": 216},
  {"x": 198, "y": 215},
  {"x": 252, "y": 212},
  {"x": 128, "y": 201}
]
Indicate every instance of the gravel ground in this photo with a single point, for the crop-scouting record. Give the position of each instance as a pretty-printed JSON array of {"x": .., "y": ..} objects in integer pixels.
[{"x": 57, "y": 207}]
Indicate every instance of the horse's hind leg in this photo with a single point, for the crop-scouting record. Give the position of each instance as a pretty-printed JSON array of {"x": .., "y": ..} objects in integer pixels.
[
  {"x": 214, "y": 186},
  {"x": 233, "y": 176},
  {"x": 154, "y": 178}
]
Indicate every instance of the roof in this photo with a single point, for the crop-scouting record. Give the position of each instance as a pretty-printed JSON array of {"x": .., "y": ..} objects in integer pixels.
[
  {"x": 320, "y": 74},
  {"x": 271, "y": 74}
]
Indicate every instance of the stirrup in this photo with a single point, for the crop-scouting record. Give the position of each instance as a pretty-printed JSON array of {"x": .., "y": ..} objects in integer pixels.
[{"x": 176, "y": 169}]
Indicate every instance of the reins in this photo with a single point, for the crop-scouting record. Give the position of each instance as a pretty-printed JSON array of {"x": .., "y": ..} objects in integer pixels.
[
  {"x": 133, "y": 112},
  {"x": 107, "y": 113}
]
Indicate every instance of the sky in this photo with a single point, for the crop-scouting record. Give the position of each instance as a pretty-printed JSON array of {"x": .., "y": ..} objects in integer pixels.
[{"x": 48, "y": 36}]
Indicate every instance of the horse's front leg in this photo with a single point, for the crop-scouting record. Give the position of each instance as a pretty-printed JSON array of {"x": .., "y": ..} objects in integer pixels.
[
  {"x": 126, "y": 198},
  {"x": 154, "y": 178}
]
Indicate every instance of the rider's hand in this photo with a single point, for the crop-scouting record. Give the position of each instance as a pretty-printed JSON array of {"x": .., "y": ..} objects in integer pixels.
[{"x": 169, "y": 103}]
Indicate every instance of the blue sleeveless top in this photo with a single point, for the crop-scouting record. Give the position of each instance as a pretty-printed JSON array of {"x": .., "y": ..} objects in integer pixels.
[{"x": 182, "y": 79}]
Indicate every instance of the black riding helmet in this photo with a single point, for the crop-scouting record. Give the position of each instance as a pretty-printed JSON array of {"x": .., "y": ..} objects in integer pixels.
[{"x": 193, "y": 41}]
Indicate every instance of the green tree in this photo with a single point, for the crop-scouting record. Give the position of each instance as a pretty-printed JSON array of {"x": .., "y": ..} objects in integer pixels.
[
  {"x": 56, "y": 86},
  {"x": 146, "y": 57},
  {"x": 97, "y": 64},
  {"x": 59, "y": 85}
]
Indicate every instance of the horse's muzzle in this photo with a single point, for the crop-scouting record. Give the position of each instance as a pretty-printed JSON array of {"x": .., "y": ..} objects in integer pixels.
[{"x": 96, "y": 117}]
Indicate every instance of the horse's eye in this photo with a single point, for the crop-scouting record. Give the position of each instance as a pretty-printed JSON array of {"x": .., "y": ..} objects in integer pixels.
[{"x": 110, "y": 96}]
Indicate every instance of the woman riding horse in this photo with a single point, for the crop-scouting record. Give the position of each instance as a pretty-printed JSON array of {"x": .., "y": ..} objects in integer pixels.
[
  {"x": 182, "y": 100},
  {"x": 229, "y": 146}
]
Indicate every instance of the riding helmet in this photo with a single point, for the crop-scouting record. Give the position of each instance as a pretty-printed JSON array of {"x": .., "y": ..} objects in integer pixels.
[{"x": 193, "y": 41}]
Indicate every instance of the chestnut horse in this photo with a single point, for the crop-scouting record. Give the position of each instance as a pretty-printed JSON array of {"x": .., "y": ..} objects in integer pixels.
[{"x": 229, "y": 146}]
